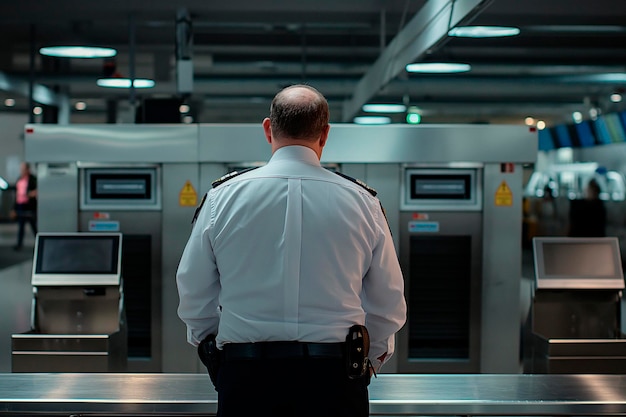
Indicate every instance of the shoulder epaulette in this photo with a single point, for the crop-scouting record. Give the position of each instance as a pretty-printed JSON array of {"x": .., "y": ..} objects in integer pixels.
[
  {"x": 358, "y": 182},
  {"x": 197, "y": 212},
  {"x": 230, "y": 176}
]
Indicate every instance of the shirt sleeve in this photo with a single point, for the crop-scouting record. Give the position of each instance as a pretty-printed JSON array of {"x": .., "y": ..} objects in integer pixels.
[
  {"x": 197, "y": 279},
  {"x": 383, "y": 296}
]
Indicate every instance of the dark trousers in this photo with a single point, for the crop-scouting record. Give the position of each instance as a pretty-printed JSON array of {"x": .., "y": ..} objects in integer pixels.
[
  {"x": 294, "y": 387},
  {"x": 24, "y": 216}
]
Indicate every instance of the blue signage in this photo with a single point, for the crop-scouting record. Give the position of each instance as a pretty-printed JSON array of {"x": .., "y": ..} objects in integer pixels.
[
  {"x": 104, "y": 226},
  {"x": 420, "y": 227}
]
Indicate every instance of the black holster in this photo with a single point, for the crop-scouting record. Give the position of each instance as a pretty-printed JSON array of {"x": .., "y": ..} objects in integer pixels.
[
  {"x": 211, "y": 357},
  {"x": 357, "y": 349}
]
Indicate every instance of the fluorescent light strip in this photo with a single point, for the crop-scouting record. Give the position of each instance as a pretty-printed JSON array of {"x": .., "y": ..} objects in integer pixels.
[
  {"x": 384, "y": 108},
  {"x": 483, "y": 31},
  {"x": 372, "y": 120},
  {"x": 125, "y": 83},
  {"x": 438, "y": 67},
  {"x": 78, "y": 51}
]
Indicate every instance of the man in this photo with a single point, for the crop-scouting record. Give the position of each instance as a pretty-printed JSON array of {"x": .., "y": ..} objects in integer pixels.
[
  {"x": 281, "y": 262},
  {"x": 25, "y": 208}
]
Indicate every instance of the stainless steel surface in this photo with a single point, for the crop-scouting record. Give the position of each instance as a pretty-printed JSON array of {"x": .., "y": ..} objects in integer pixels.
[
  {"x": 178, "y": 355},
  {"x": 246, "y": 143},
  {"x": 111, "y": 143},
  {"x": 57, "y": 196},
  {"x": 502, "y": 271},
  {"x": 187, "y": 394}
]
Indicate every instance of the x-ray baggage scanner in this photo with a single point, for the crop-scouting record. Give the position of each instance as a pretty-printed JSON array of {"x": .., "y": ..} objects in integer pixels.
[
  {"x": 576, "y": 308},
  {"x": 77, "y": 318}
]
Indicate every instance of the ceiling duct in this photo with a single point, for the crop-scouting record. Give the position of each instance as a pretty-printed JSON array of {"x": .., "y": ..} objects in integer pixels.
[{"x": 426, "y": 30}]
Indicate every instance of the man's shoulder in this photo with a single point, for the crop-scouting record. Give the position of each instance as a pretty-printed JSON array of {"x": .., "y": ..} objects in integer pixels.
[
  {"x": 230, "y": 176},
  {"x": 358, "y": 182}
]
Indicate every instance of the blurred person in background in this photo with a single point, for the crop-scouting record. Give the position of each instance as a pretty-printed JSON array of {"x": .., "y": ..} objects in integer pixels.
[
  {"x": 587, "y": 216},
  {"x": 25, "y": 208}
]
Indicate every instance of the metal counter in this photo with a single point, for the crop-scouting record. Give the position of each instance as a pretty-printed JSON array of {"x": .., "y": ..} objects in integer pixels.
[{"x": 192, "y": 394}]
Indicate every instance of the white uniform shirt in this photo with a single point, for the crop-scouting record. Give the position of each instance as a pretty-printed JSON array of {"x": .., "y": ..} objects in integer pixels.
[{"x": 291, "y": 251}]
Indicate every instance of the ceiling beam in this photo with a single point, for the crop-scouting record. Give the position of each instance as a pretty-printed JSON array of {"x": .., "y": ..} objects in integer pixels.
[{"x": 426, "y": 30}]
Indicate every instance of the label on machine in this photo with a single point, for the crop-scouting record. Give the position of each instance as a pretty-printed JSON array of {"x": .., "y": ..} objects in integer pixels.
[
  {"x": 504, "y": 195},
  {"x": 188, "y": 196},
  {"x": 428, "y": 227}
]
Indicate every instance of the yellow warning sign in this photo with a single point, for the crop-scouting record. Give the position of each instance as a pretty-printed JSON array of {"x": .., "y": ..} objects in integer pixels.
[
  {"x": 504, "y": 196},
  {"x": 188, "y": 196}
]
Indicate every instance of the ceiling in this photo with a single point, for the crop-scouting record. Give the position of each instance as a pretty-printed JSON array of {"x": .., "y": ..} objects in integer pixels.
[{"x": 570, "y": 56}]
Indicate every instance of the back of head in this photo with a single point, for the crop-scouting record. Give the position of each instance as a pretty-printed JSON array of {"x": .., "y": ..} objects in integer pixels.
[
  {"x": 299, "y": 112},
  {"x": 593, "y": 190}
]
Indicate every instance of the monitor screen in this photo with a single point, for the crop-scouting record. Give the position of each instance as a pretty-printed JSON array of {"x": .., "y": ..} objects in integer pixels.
[
  {"x": 439, "y": 189},
  {"x": 77, "y": 259},
  {"x": 455, "y": 187},
  {"x": 585, "y": 263}
]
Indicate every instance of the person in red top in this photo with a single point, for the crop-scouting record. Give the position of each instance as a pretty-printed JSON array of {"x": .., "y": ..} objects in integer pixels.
[{"x": 25, "y": 209}]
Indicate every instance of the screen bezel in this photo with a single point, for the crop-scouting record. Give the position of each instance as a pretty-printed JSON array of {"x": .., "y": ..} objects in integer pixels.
[
  {"x": 89, "y": 200},
  {"x": 471, "y": 176},
  {"x": 543, "y": 281},
  {"x": 40, "y": 278}
]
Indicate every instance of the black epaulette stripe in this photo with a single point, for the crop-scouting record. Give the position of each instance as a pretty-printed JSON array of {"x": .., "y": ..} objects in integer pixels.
[
  {"x": 358, "y": 182},
  {"x": 230, "y": 176},
  {"x": 197, "y": 212}
]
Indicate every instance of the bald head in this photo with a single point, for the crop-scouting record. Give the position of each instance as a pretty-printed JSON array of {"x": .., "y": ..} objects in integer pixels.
[{"x": 299, "y": 112}]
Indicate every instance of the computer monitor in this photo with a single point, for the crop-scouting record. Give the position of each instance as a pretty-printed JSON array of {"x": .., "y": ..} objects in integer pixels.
[
  {"x": 77, "y": 259},
  {"x": 578, "y": 263}
]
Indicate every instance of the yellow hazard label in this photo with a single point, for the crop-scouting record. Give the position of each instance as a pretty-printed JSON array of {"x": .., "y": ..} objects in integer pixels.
[
  {"x": 504, "y": 196},
  {"x": 188, "y": 196}
]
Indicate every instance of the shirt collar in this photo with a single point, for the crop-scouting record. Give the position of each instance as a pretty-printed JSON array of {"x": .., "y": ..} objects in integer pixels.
[{"x": 297, "y": 153}]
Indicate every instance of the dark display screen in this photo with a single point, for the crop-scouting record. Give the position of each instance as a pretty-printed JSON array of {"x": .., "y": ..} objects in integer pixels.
[
  {"x": 586, "y": 260},
  {"x": 77, "y": 255},
  {"x": 120, "y": 186},
  {"x": 440, "y": 187}
]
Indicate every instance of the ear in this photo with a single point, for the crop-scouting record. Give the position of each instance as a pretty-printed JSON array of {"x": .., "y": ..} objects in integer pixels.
[
  {"x": 267, "y": 128},
  {"x": 324, "y": 136}
]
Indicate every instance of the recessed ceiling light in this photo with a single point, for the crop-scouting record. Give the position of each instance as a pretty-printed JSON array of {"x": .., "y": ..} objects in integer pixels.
[
  {"x": 9, "y": 102},
  {"x": 372, "y": 120},
  {"x": 616, "y": 98},
  {"x": 125, "y": 83},
  {"x": 384, "y": 108},
  {"x": 184, "y": 108},
  {"x": 80, "y": 105},
  {"x": 483, "y": 31},
  {"x": 78, "y": 51},
  {"x": 438, "y": 67},
  {"x": 37, "y": 110},
  {"x": 541, "y": 124},
  {"x": 577, "y": 116}
]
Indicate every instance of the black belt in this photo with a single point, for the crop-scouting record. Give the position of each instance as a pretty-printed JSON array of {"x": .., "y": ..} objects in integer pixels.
[{"x": 269, "y": 350}]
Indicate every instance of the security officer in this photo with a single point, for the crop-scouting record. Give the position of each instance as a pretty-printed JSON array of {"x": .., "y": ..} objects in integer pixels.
[{"x": 281, "y": 262}]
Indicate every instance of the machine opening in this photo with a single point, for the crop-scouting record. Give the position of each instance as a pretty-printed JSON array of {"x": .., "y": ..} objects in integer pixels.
[{"x": 439, "y": 297}]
